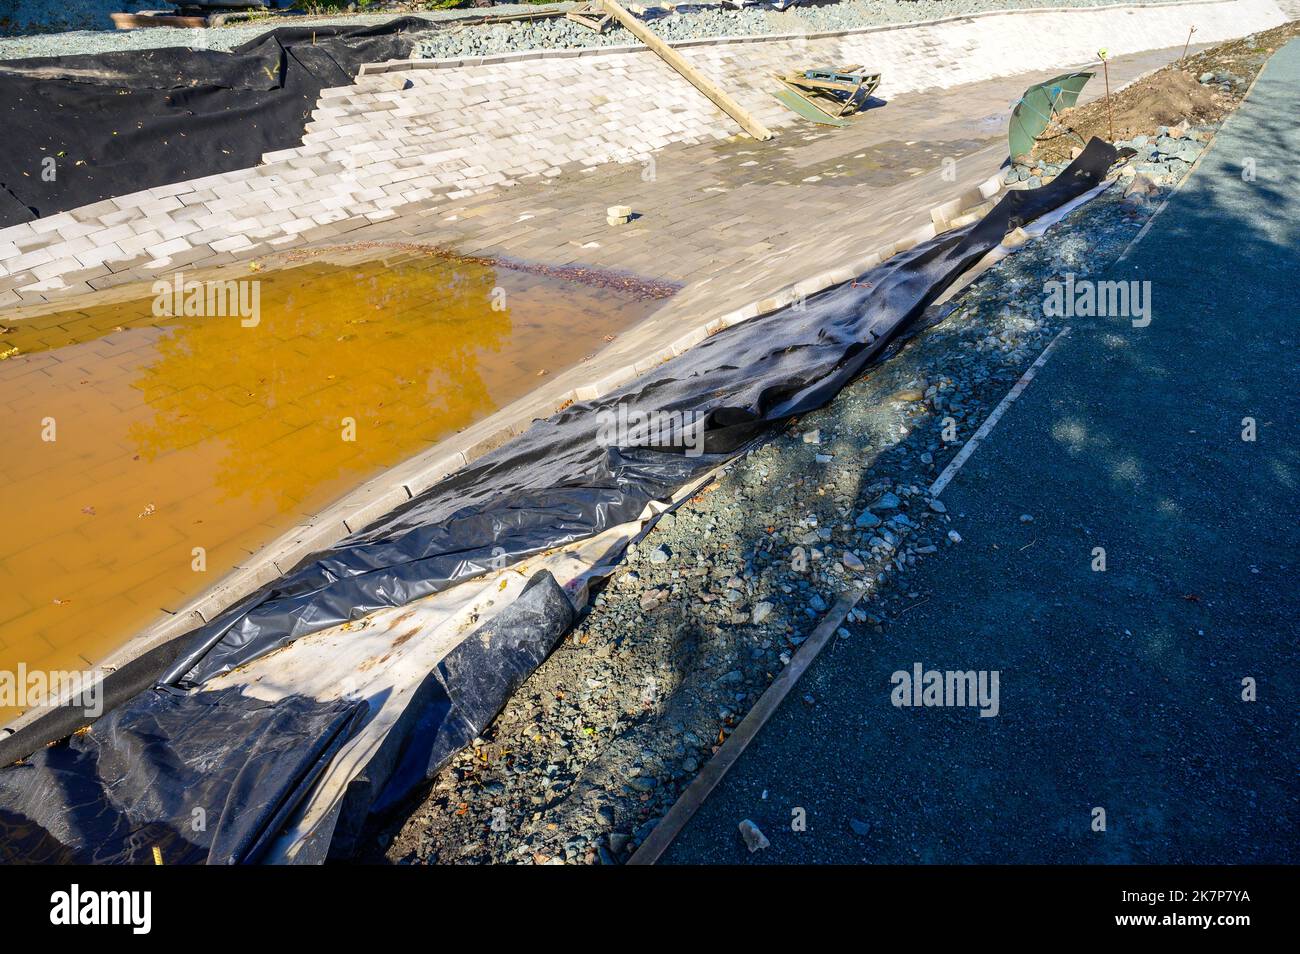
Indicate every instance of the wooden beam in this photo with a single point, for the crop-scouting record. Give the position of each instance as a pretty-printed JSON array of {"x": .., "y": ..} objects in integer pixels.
[
  {"x": 657, "y": 842},
  {"x": 690, "y": 73},
  {"x": 137, "y": 21}
]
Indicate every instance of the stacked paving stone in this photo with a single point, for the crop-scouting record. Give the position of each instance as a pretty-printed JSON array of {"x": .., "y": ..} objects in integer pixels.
[
  {"x": 470, "y": 128},
  {"x": 407, "y": 134}
]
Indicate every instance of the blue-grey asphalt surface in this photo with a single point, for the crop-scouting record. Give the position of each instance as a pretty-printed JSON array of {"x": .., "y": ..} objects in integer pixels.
[{"x": 1123, "y": 689}]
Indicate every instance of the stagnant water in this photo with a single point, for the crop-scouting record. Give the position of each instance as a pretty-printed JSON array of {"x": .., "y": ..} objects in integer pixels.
[{"x": 145, "y": 456}]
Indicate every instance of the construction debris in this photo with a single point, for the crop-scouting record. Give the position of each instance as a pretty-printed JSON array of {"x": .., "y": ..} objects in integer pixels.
[
  {"x": 1201, "y": 89},
  {"x": 1040, "y": 105},
  {"x": 591, "y": 15},
  {"x": 846, "y": 87}
]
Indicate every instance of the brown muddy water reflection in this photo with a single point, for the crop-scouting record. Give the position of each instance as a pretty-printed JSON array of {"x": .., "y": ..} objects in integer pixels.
[{"x": 172, "y": 434}]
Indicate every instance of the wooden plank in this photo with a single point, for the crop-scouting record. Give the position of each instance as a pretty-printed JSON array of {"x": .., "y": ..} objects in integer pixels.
[
  {"x": 589, "y": 22},
  {"x": 455, "y": 26},
  {"x": 510, "y": 17},
  {"x": 807, "y": 108},
  {"x": 684, "y": 808},
  {"x": 590, "y": 15},
  {"x": 136, "y": 21},
  {"x": 690, "y": 73}
]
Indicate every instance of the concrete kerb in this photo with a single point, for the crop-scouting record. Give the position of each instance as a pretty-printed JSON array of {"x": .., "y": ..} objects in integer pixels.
[
  {"x": 381, "y": 495},
  {"x": 387, "y": 66}
]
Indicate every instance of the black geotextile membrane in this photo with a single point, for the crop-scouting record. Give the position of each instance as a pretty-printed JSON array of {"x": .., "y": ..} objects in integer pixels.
[
  {"x": 203, "y": 777},
  {"x": 120, "y": 122},
  {"x": 558, "y": 482}
]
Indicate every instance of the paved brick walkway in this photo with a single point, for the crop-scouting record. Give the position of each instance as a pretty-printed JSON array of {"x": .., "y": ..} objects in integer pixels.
[{"x": 738, "y": 221}]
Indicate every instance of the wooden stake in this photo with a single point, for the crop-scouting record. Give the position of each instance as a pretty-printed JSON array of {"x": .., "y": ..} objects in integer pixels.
[
  {"x": 1110, "y": 115},
  {"x": 690, "y": 73},
  {"x": 1187, "y": 44}
]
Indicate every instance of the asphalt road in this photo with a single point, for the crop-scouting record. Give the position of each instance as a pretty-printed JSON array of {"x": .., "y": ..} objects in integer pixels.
[{"x": 1119, "y": 689}]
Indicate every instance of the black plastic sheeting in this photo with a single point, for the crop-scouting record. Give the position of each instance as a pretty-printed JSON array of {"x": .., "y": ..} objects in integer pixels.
[
  {"x": 134, "y": 781},
  {"x": 455, "y": 703},
  {"x": 555, "y": 484},
  {"x": 203, "y": 777},
  {"x": 120, "y": 122}
]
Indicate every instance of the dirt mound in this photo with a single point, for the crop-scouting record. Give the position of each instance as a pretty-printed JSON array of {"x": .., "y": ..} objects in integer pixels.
[
  {"x": 1165, "y": 98},
  {"x": 1171, "y": 95}
]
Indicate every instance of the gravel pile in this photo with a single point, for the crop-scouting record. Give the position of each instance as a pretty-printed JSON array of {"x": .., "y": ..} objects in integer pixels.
[
  {"x": 47, "y": 16},
  {"x": 34, "y": 25},
  {"x": 1166, "y": 157},
  {"x": 711, "y": 605},
  {"x": 34, "y": 28},
  {"x": 707, "y": 22},
  {"x": 1163, "y": 158}
]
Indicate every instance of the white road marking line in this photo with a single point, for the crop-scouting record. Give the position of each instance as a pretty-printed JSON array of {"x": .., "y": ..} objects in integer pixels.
[{"x": 986, "y": 428}]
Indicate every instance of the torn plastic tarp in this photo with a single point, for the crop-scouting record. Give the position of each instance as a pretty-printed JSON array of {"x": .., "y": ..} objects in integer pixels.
[
  {"x": 274, "y": 775},
  {"x": 1034, "y": 110},
  {"x": 118, "y": 122},
  {"x": 203, "y": 777},
  {"x": 420, "y": 724},
  {"x": 560, "y": 482}
]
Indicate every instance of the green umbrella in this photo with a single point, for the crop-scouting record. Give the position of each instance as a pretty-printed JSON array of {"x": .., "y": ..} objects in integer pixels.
[{"x": 1034, "y": 110}]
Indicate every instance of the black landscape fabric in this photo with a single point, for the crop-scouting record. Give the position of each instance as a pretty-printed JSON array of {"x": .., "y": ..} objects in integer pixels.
[
  {"x": 593, "y": 466},
  {"x": 203, "y": 777},
  {"x": 212, "y": 777},
  {"x": 116, "y": 123}
]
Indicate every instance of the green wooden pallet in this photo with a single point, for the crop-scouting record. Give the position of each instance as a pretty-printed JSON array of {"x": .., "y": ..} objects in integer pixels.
[{"x": 807, "y": 109}]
